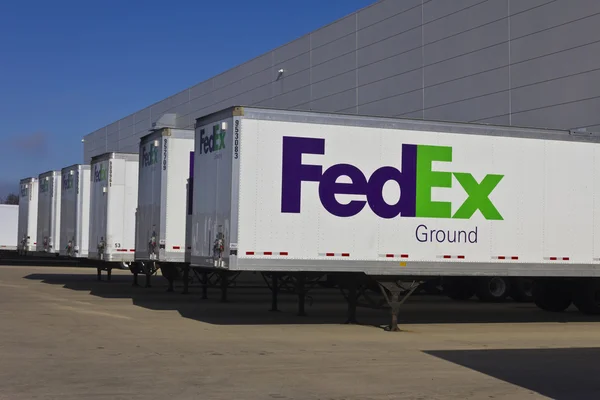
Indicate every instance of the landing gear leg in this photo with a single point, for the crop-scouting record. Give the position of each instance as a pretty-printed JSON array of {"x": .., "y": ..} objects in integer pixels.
[
  {"x": 108, "y": 274},
  {"x": 274, "y": 291},
  {"x": 186, "y": 279},
  {"x": 204, "y": 285},
  {"x": 99, "y": 274},
  {"x": 395, "y": 294},
  {"x": 224, "y": 285},
  {"x": 352, "y": 300},
  {"x": 300, "y": 279}
]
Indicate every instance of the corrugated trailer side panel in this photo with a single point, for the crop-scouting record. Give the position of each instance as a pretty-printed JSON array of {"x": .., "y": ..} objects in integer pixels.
[
  {"x": 74, "y": 226},
  {"x": 28, "y": 208},
  {"x": 213, "y": 155},
  {"x": 113, "y": 204},
  {"x": 98, "y": 207},
  {"x": 324, "y": 192},
  {"x": 48, "y": 227},
  {"x": 149, "y": 188},
  {"x": 402, "y": 201},
  {"x": 130, "y": 204},
  {"x": 9, "y": 215},
  {"x": 83, "y": 217},
  {"x": 122, "y": 202},
  {"x": 176, "y": 170}
]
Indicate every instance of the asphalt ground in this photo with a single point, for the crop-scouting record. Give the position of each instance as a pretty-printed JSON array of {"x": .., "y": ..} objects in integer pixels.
[{"x": 64, "y": 335}]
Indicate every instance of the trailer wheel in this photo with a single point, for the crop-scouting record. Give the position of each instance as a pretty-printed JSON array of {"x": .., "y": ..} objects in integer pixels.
[
  {"x": 521, "y": 290},
  {"x": 587, "y": 297},
  {"x": 493, "y": 289},
  {"x": 460, "y": 289},
  {"x": 552, "y": 295}
]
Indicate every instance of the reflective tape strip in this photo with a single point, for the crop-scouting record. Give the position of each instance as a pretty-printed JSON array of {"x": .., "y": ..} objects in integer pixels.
[
  {"x": 334, "y": 254},
  {"x": 451, "y": 257},
  {"x": 267, "y": 253},
  {"x": 176, "y": 247},
  {"x": 512, "y": 258},
  {"x": 391, "y": 255},
  {"x": 557, "y": 258}
]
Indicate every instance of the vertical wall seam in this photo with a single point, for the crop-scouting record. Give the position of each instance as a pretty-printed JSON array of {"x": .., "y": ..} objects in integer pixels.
[
  {"x": 509, "y": 67},
  {"x": 356, "y": 60},
  {"x": 310, "y": 70},
  {"x": 423, "y": 57}
]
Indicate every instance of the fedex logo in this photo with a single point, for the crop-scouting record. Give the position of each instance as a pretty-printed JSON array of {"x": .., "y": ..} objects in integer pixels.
[
  {"x": 416, "y": 179},
  {"x": 99, "y": 174},
  {"x": 149, "y": 156},
  {"x": 214, "y": 142}
]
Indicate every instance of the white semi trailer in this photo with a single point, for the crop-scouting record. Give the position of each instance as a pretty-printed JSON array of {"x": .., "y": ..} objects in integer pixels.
[
  {"x": 48, "y": 215},
  {"x": 301, "y": 193},
  {"x": 75, "y": 211},
  {"x": 9, "y": 215},
  {"x": 113, "y": 200},
  {"x": 28, "y": 209},
  {"x": 161, "y": 211}
]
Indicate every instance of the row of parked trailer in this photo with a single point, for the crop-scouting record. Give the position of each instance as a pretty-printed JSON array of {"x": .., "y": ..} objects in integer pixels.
[{"x": 369, "y": 203}]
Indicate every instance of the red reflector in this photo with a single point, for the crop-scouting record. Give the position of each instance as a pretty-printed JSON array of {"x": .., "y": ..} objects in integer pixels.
[
  {"x": 389, "y": 255},
  {"x": 121, "y": 249},
  {"x": 461, "y": 257},
  {"x": 514, "y": 258},
  {"x": 404, "y": 256},
  {"x": 176, "y": 247},
  {"x": 345, "y": 254},
  {"x": 553, "y": 258},
  {"x": 447, "y": 257},
  {"x": 283, "y": 253},
  {"x": 501, "y": 258},
  {"x": 132, "y": 250},
  {"x": 330, "y": 254},
  {"x": 566, "y": 258},
  {"x": 268, "y": 253},
  {"x": 35, "y": 243},
  {"x": 249, "y": 253}
]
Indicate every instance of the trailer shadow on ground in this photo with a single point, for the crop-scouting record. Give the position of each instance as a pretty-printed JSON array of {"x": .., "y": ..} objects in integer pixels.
[
  {"x": 250, "y": 306},
  {"x": 566, "y": 373}
]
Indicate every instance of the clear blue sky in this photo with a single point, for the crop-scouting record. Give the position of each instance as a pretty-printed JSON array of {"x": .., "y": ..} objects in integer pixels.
[{"x": 68, "y": 67}]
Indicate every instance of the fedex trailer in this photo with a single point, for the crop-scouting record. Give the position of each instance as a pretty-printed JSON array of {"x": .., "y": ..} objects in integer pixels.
[
  {"x": 398, "y": 200},
  {"x": 28, "y": 209},
  {"x": 48, "y": 216},
  {"x": 113, "y": 200},
  {"x": 161, "y": 210},
  {"x": 9, "y": 215},
  {"x": 75, "y": 211}
]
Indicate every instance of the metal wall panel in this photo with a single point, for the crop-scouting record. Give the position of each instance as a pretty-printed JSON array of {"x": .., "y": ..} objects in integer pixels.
[
  {"x": 389, "y": 67},
  {"x": 471, "y": 110},
  {"x": 383, "y": 60}
]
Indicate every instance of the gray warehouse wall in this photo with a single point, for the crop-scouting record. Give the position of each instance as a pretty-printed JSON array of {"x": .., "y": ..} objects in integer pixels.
[{"x": 520, "y": 62}]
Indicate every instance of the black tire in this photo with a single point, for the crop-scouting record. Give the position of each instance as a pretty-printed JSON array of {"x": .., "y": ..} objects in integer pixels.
[
  {"x": 552, "y": 295},
  {"x": 587, "y": 297},
  {"x": 493, "y": 289},
  {"x": 460, "y": 289},
  {"x": 521, "y": 290}
]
